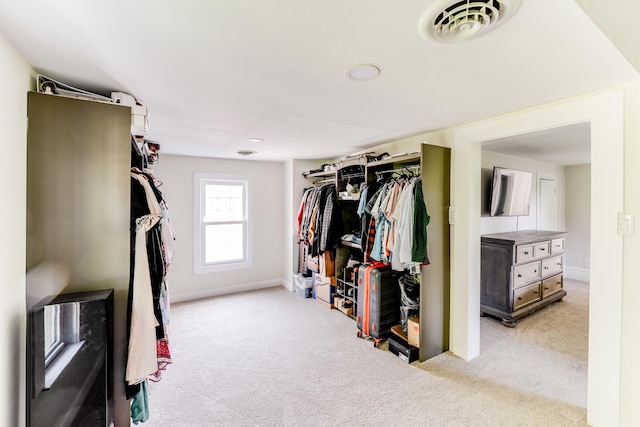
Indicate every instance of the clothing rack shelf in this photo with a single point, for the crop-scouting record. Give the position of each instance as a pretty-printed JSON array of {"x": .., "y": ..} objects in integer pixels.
[
  {"x": 431, "y": 165},
  {"x": 405, "y": 158},
  {"x": 322, "y": 174},
  {"x": 414, "y": 169}
]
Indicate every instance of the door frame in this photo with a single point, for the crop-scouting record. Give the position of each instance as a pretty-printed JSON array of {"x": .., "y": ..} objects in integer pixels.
[
  {"x": 550, "y": 177},
  {"x": 605, "y": 111}
]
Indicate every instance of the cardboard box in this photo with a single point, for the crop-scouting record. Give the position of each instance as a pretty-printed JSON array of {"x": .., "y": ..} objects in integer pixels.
[
  {"x": 397, "y": 330},
  {"x": 413, "y": 331},
  {"x": 322, "y": 264},
  {"x": 303, "y": 285},
  {"x": 313, "y": 264},
  {"x": 344, "y": 305},
  {"x": 327, "y": 265},
  {"x": 324, "y": 288}
]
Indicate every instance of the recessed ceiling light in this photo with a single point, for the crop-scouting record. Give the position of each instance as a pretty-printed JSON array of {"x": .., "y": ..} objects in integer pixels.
[
  {"x": 255, "y": 140},
  {"x": 246, "y": 152},
  {"x": 361, "y": 72}
]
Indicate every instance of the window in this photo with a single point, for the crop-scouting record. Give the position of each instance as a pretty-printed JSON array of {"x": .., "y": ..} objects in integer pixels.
[{"x": 221, "y": 225}]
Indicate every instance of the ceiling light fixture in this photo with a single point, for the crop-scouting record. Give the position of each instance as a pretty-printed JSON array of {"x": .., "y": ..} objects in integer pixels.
[
  {"x": 362, "y": 72},
  {"x": 449, "y": 22},
  {"x": 255, "y": 140},
  {"x": 246, "y": 152}
]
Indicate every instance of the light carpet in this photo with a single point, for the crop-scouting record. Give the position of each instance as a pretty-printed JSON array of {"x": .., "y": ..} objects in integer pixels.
[{"x": 272, "y": 358}]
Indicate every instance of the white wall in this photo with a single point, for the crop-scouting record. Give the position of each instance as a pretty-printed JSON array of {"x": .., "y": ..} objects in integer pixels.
[
  {"x": 176, "y": 173},
  {"x": 16, "y": 74},
  {"x": 501, "y": 224},
  {"x": 578, "y": 219}
]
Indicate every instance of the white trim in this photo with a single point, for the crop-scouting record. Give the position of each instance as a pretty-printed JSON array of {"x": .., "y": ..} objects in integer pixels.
[
  {"x": 198, "y": 243},
  {"x": 605, "y": 112},
  {"x": 577, "y": 273},
  {"x": 190, "y": 296}
]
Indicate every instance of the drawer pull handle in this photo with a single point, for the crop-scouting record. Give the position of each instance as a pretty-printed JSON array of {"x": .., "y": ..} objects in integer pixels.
[
  {"x": 543, "y": 249},
  {"x": 526, "y": 252},
  {"x": 535, "y": 292},
  {"x": 519, "y": 298},
  {"x": 519, "y": 275},
  {"x": 535, "y": 271}
]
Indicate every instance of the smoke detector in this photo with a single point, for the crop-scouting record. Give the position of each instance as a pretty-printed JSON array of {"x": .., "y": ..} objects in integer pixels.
[{"x": 448, "y": 22}]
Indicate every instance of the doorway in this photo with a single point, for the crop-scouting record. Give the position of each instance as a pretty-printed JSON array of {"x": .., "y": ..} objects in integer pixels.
[
  {"x": 547, "y": 193},
  {"x": 549, "y": 155},
  {"x": 605, "y": 112}
]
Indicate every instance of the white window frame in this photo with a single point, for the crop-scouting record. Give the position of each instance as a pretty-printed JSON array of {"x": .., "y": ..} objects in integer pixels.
[{"x": 199, "y": 182}]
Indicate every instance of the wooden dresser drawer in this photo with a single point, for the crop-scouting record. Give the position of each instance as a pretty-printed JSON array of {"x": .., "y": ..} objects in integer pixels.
[
  {"x": 526, "y": 273},
  {"x": 526, "y": 295},
  {"x": 542, "y": 249},
  {"x": 551, "y": 266},
  {"x": 551, "y": 285},
  {"x": 524, "y": 253},
  {"x": 557, "y": 246}
]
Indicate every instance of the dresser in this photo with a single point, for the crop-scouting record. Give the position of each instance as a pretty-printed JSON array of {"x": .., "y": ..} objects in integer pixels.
[{"x": 521, "y": 271}]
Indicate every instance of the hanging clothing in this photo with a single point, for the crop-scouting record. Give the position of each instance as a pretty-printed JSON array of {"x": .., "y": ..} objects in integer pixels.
[
  {"x": 397, "y": 228},
  {"x": 320, "y": 225},
  {"x": 142, "y": 355},
  {"x": 403, "y": 215},
  {"x": 140, "y": 405},
  {"x": 152, "y": 246},
  {"x": 421, "y": 220}
]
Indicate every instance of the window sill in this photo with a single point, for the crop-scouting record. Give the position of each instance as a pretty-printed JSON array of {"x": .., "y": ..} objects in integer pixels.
[{"x": 226, "y": 266}]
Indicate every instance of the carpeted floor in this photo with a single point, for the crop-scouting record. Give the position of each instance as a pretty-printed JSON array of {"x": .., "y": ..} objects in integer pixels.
[{"x": 272, "y": 358}]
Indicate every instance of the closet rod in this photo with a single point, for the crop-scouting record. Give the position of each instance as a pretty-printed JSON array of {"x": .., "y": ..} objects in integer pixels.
[
  {"x": 400, "y": 170},
  {"x": 325, "y": 181}
]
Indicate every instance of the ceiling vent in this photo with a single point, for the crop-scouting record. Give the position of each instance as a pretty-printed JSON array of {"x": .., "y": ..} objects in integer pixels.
[
  {"x": 245, "y": 152},
  {"x": 448, "y": 22}
]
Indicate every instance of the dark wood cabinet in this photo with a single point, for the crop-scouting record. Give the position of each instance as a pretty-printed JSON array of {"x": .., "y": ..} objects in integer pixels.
[{"x": 521, "y": 272}]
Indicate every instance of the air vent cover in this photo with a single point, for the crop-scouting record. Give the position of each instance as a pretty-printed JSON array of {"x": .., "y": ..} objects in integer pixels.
[
  {"x": 448, "y": 22},
  {"x": 245, "y": 152}
]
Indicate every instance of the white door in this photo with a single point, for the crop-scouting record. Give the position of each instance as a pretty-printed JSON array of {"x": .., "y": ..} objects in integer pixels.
[{"x": 547, "y": 204}]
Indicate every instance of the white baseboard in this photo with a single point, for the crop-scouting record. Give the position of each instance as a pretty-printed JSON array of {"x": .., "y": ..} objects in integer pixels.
[
  {"x": 577, "y": 273},
  {"x": 190, "y": 296}
]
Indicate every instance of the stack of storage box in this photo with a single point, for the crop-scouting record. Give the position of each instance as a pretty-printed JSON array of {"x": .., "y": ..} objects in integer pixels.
[
  {"x": 324, "y": 278},
  {"x": 303, "y": 285}
]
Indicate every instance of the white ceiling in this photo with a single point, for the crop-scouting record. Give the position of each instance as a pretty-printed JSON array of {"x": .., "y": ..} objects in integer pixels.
[
  {"x": 567, "y": 145},
  {"x": 215, "y": 73}
]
